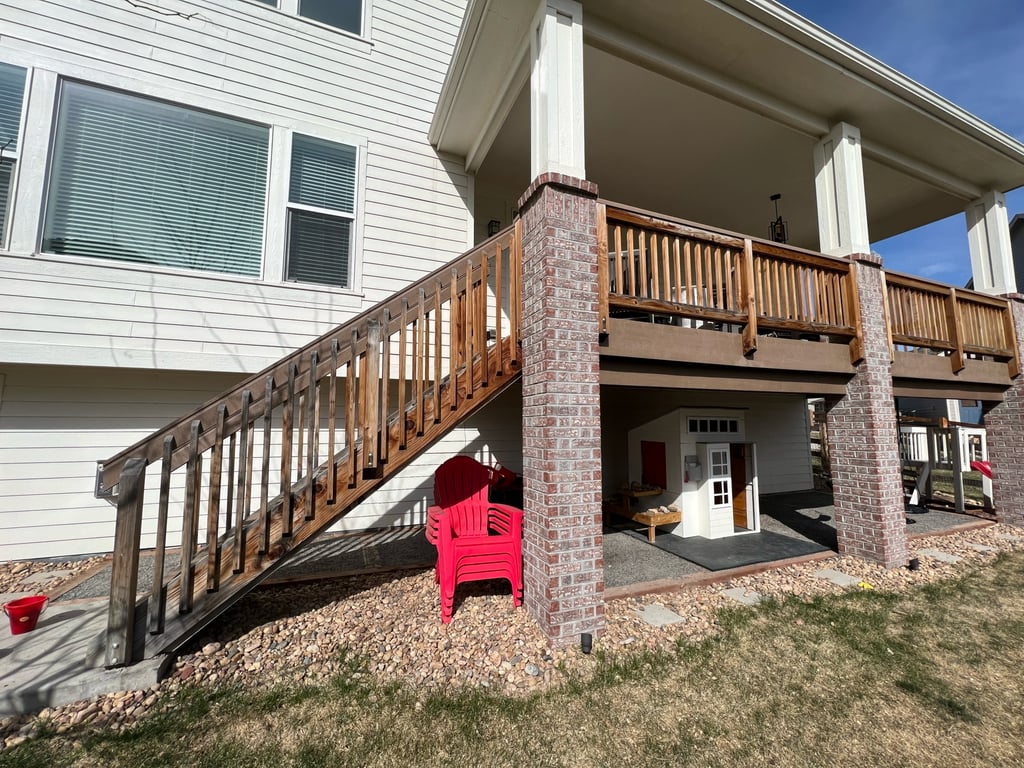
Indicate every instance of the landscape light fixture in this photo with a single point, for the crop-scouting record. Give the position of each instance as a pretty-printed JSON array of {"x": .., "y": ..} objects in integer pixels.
[{"x": 778, "y": 229}]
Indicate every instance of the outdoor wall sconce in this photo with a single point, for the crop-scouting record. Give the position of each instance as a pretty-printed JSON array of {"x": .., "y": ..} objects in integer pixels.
[
  {"x": 493, "y": 227},
  {"x": 778, "y": 229}
]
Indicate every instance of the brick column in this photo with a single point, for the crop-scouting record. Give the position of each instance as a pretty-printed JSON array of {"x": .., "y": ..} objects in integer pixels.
[
  {"x": 1004, "y": 435},
  {"x": 863, "y": 439},
  {"x": 563, "y": 556}
]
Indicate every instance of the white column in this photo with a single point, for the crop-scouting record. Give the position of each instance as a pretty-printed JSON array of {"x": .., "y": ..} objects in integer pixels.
[
  {"x": 839, "y": 181},
  {"x": 988, "y": 231},
  {"x": 556, "y": 90}
]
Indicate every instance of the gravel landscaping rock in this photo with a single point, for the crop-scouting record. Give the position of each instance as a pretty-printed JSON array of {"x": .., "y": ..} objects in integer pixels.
[{"x": 387, "y": 626}]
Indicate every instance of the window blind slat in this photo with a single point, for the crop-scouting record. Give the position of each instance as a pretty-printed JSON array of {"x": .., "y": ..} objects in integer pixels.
[
  {"x": 318, "y": 248},
  {"x": 323, "y": 174},
  {"x": 12, "y": 95},
  {"x": 148, "y": 182}
]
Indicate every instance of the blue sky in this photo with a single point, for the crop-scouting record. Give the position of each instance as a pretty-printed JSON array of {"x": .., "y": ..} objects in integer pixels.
[{"x": 969, "y": 51}]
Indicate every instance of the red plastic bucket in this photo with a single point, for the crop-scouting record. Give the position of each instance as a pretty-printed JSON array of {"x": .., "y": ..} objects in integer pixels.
[{"x": 24, "y": 613}]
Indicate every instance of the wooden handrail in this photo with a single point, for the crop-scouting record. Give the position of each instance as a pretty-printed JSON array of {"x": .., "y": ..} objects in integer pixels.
[{"x": 454, "y": 332}]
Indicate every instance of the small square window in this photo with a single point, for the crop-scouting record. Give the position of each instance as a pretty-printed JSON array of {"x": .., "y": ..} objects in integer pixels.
[{"x": 343, "y": 14}]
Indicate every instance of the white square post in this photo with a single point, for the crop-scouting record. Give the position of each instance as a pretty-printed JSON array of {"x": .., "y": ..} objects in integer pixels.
[
  {"x": 839, "y": 182},
  {"x": 988, "y": 232}
]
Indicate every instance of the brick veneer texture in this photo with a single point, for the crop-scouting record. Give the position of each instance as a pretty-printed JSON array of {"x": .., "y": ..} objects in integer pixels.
[
  {"x": 863, "y": 442},
  {"x": 1004, "y": 428},
  {"x": 563, "y": 557}
]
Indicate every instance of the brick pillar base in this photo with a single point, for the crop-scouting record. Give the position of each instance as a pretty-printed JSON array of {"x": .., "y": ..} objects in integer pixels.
[
  {"x": 563, "y": 555},
  {"x": 1004, "y": 428},
  {"x": 863, "y": 440}
]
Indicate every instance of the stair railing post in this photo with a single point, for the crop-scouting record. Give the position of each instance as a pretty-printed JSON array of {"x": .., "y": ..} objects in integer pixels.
[{"x": 124, "y": 576}]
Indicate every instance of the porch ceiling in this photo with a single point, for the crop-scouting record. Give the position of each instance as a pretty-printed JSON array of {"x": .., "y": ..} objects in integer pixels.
[{"x": 703, "y": 108}]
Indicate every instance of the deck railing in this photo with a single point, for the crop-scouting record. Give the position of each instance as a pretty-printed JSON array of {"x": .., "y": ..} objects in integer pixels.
[
  {"x": 928, "y": 316},
  {"x": 695, "y": 276},
  {"x": 700, "y": 276},
  {"x": 248, "y": 476}
]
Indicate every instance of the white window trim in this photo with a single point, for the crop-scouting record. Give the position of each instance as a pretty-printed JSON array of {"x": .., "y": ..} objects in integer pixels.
[
  {"x": 291, "y": 8},
  {"x": 32, "y": 172}
]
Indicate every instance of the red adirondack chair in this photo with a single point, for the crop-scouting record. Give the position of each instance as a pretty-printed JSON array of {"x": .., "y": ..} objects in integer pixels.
[{"x": 475, "y": 538}]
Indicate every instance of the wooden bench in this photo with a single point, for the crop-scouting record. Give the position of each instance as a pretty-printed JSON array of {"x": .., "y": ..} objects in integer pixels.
[{"x": 652, "y": 518}]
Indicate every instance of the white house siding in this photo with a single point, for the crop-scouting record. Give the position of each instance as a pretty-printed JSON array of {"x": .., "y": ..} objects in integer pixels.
[
  {"x": 245, "y": 60},
  {"x": 57, "y": 422},
  {"x": 777, "y": 423}
]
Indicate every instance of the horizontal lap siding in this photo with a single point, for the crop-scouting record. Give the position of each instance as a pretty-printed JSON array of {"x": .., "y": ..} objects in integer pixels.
[
  {"x": 250, "y": 61},
  {"x": 55, "y": 423}
]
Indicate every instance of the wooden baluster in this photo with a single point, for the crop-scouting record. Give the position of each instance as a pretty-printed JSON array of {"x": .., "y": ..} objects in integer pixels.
[
  {"x": 351, "y": 412},
  {"x": 481, "y": 326},
  {"x": 630, "y": 263},
  {"x": 421, "y": 355},
  {"x": 332, "y": 425},
  {"x": 643, "y": 272},
  {"x": 287, "y": 416},
  {"x": 268, "y": 417},
  {"x": 690, "y": 289},
  {"x": 655, "y": 282},
  {"x": 370, "y": 427},
  {"x": 456, "y": 332},
  {"x": 124, "y": 577},
  {"x": 244, "y": 495},
  {"x": 190, "y": 519},
  {"x": 402, "y": 370},
  {"x": 385, "y": 387},
  {"x": 213, "y": 508},
  {"x": 666, "y": 272},
  {"x": 158, "y": 592},
  {"x": 747, "y": 302},
  {"x": 468, "y": 314},
  {"x": 678, "y": 267},
  {"x": 616, "y": 284},
  {"x": 700, "y": 284},
  {"x": 516, "y": 292},
  {"x": 776, "y": 281},
  {"x": 499, "y": 292},
  {"x": 312, "y": 435},
  {"x": 728, "y": 276},
  {"x": 438, "y": 337}
]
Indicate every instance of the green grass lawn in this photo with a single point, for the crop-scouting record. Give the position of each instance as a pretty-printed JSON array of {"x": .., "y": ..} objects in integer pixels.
[{"x": 931, "y": 677}]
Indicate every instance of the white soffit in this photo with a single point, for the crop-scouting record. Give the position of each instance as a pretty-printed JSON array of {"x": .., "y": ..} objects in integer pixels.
[{"x": 754, "y": 53}]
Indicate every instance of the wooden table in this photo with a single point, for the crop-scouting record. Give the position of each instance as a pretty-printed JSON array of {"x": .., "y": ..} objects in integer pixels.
[{"x": 652, "y": 518}]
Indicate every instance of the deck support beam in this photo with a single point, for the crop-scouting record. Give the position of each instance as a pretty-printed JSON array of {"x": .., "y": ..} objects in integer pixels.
[
  {"x": 863, "y": 439},
  {"x": 563, "y": 548}
]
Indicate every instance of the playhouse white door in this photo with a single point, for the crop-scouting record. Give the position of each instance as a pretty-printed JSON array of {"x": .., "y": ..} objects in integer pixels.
[{"x": 719, "y": 489}]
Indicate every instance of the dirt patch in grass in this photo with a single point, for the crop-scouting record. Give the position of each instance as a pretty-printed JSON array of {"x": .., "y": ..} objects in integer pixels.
[{"x": 929, "y": 677}]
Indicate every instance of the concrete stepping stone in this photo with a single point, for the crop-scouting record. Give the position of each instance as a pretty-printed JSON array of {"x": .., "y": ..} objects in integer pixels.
[
  {"x": 44, "y": 576},
  {"x": 658, "y": 615},
  {"x": 837, "y": 577},
  {"x": 743, "y": 595},
  {"x": 938, "y": 554},
  {"x": 980, "y": 547}
]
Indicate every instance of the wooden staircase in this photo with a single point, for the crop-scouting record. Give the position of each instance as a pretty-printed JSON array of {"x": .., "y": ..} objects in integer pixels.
[{"x": 247, "y": 479}]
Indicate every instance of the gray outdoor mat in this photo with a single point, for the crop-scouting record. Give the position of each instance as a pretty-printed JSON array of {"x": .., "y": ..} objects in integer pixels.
[{"x": 732, "y": 551}]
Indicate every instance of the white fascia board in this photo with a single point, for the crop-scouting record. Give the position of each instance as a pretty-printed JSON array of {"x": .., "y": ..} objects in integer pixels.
[
  {"x": 794, "y": 29},
  {"x": 476, "y": 11}
]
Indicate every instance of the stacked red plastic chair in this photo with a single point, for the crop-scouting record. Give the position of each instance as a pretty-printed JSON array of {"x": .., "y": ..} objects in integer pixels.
[{"x": 475, "y": 538}]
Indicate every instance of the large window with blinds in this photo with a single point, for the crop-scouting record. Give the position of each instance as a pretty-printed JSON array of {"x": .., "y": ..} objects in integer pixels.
[
  {"x": 12, "y": 96},
  {"x": 145, "y": 181},
  {"x": 321, "y": 208}
]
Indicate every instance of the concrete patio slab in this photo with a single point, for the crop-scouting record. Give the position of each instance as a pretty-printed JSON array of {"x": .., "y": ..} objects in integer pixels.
[
  {"x": 658, "y": 615},
  {"x": 837, "y": 577},
  {"x": 743, "y": 595},
  {"x": 47, "y": 666},
  {"x": 938, "y": 554}
]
